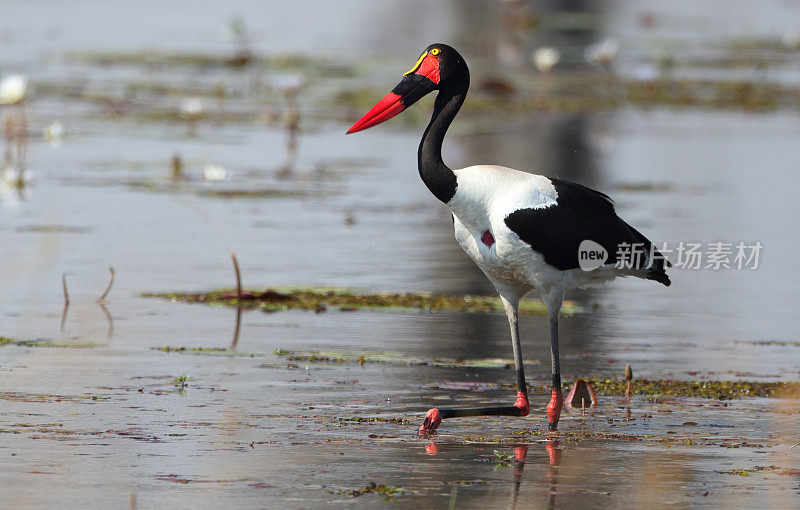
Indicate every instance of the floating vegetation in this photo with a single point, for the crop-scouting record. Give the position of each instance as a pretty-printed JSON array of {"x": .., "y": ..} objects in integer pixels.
[
  {"x": 721, "y": 390},
  {"x": 466, "y": 483},
  {"x": 169, "y": 59},
  {"x": 320, "y": 299},
  {"x": 657, "y": 187},
  {"x": 386, "y": 491},
  {"x": 168, "y": 186},
  {"x": 702, "y": 439},
  {"x": 53, "y": 229},
  {"x": 4, "y": 340},
  {"x": 592, "y": 92},
  {"x": 45, "y": 342},
  {"x": 362, "y": 358},
  {"x": 374, "y": 419},
  {"x": 206, "y": 351},
  {"x": 251, "y": 193},
  {"x": 780, "y": 343},
  {"x": 773, "y": 44},
  {"x": 14, "y": 396},
  {"x": 762, "y": 469}
]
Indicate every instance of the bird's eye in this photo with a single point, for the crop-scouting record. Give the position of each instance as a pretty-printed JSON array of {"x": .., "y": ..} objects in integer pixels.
[{"x": 435, "y": 51}]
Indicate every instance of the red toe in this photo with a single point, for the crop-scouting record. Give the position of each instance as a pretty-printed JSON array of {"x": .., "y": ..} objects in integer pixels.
[{"x": 432, "y": 420}]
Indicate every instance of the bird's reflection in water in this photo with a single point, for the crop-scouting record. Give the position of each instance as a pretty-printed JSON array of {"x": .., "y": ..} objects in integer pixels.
[
  {"x": 555, "y": 460},
  {"x": 520, "y": 457}
]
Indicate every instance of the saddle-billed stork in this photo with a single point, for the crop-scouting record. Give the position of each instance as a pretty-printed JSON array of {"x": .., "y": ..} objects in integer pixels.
[{"x": 523, "y": 230}]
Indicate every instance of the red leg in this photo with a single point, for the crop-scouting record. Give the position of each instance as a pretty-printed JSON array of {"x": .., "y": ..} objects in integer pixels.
[
  {"x": 554, "y": 409},
  {"x": 522, "y": 403}
]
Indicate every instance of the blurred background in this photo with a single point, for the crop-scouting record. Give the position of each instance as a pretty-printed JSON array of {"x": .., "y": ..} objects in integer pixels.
[{"x": 159, "y": 137}]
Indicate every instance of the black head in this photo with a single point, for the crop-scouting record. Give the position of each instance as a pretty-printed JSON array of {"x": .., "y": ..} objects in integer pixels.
[
  {"x": 452, "y": 68},
  {"x": 440, "y": 67}
]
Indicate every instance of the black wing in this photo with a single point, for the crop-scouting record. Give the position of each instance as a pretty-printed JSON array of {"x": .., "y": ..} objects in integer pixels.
[{"x": 581, "y": 213}]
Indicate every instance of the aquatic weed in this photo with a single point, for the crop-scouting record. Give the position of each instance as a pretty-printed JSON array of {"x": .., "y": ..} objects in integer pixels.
[
  {"x": 387, "y": 491},
  {"x": 180, "y": 382},
  {"x": 322, "y": 298}
]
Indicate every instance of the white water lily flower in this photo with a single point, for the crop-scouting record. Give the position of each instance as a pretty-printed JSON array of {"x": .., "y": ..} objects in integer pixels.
[
  {"x": 289, "y": 84},
  {"x": 12, "y": 89},
  {"x": 546, "y": 58},
  {"x": 53, "y": 133},
  {"x": 12, "y": 177},
  {"x": 214, "y": 173},
  {"x": 646, "y": 73},
  {"x": 191, "y": 107},
  {"x": 601, "y": 53},
  {"x": 791, "y": 39}
]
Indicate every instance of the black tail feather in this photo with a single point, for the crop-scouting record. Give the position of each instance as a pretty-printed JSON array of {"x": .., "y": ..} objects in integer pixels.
[{"x": 660, "y": 276}]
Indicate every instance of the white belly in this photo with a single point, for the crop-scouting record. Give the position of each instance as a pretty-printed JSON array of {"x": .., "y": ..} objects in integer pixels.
[
  {"x": 508, "y": 262},
  {"x": 483, "y": 199}
]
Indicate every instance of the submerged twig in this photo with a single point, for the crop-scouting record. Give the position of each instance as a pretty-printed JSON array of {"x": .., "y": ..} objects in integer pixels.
[
  {"x": 66, "y": 300},
  {"x": 239, "y": 300},
  {"x": 628, "y": 378},
  {"x": 177, "y": 166},
  {"x": 64, "y": 286},
  {"x": 102, "y": 299}
]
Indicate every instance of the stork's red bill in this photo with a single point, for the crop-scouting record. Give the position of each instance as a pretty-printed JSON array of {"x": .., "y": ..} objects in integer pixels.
[{"x": 418, "y": 81}]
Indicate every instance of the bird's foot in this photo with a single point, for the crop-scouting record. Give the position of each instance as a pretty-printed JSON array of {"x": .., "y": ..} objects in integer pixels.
[
  {"x": 522, "y": 403},
  {"x": 554, "y": 409},
  {"x": 432, "y": 420}
]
